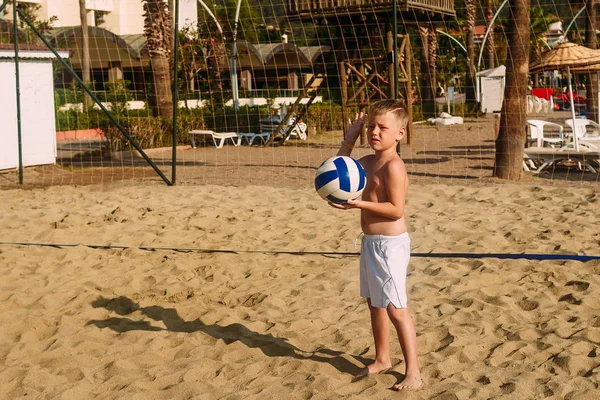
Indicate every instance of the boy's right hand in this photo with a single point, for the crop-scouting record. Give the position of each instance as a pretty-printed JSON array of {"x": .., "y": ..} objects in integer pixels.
[{"x": 355, "y": 128}]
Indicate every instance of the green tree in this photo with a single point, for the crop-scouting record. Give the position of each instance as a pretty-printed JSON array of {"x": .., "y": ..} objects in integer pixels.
[
  {"x": 26, "y": 34},
  {"x": 247, "y": 23},
  {"x": 540, "y": 23}
]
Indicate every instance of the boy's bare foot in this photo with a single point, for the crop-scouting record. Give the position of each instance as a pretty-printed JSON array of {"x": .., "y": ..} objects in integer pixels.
[
  {"x": 410, "y": 382},
  {"x": 374, "y": 368}
]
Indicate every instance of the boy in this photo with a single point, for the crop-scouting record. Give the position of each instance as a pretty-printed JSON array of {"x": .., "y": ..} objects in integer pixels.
[{"x": 385, "y": 248}]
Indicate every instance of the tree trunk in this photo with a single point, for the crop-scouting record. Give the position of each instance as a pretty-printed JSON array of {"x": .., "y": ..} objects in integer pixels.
[
  {"x": 470, "y": 10},
  {"x": 85, "y": 53},
  {"x": 171, "y": 6},
  {"x": 490, "y": 46},
  {"x": 590, "y": 41},
  {"x": 432, "y": 48},
  {"x": 157, "y": 29},
  {"x": 427, "y": 88},
  {"x": 161, "y": 74},
  {"x": 510, "y": 143}
]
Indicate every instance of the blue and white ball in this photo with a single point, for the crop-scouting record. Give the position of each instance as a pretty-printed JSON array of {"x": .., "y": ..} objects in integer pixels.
[{"x": 340, "y": 179}]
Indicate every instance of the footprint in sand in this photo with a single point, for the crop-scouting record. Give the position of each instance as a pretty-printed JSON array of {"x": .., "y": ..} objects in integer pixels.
[
  {"x": 579, "y": 285},
  {"x": 528, "y": 305},
  {"x": 508, "y": 388},
  {"x": 569, "y": 298},
  {"x": 464, "y": 303},
  {"x": 431, "y": 271}
]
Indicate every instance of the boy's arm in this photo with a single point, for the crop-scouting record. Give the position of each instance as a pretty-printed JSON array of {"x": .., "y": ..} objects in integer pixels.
[
  {"x": 353, "y": 133},
  {"x": 395, "y": 181}
]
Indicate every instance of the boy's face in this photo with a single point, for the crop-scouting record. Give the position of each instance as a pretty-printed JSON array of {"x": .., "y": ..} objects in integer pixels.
[{"x": 384, "y": 131}]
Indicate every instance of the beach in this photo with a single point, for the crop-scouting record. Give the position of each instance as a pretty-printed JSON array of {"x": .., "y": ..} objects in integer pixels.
[{"x": 241, "y": 283}]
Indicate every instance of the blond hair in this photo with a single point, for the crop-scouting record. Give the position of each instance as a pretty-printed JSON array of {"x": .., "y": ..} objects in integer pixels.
[{"x": 397, "y": 107}]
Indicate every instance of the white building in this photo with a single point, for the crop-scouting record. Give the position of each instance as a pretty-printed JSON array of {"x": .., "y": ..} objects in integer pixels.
[
  {"x": 38, "y": 132},
  {"x": 121, "y": 17},
  {"x": 490, "y": 88}
]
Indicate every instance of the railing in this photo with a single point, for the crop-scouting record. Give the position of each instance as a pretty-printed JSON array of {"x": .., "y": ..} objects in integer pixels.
[
  {"x": 248, "y": 94},
  {"x": 316, "y": 6},
  {"x": 268, "y": 93}
]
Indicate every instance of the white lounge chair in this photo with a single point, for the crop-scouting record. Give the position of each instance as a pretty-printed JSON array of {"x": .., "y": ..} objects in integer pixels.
[
  {"x": 250, "y": 137},
  {"x": 218, "y": 138},
  {"x": 268, "y": 128},
  {"x": 270, "y": 125},
  {"x": 550, "y": 156},
  {"x": 538, "y": 137},
  {"x": 583, "y": 134}
]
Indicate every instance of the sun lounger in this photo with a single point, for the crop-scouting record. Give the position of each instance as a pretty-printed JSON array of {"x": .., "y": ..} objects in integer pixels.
[
  {"x": 270, "y": 126},
  {"x": 263, "y": 137},
  {"x": 218, "y": 138},
  {"x": 538, "y": 137},
  {"x": 549, "y": 156},
  {"x": 581, "y": 129}
]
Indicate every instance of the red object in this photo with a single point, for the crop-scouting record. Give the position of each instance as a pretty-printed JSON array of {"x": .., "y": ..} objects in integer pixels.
[
  {"x": 543, "y": 93},
  {"x": 565, "y": 97}
]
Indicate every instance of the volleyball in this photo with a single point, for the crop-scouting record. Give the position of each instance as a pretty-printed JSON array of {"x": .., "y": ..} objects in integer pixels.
[{"x": 340, "y": 179}]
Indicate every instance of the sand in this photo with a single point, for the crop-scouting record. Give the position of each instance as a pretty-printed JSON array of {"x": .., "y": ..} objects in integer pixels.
[
  {"x": 256, "y": 322},
  {"x": 251, "y": 291}
]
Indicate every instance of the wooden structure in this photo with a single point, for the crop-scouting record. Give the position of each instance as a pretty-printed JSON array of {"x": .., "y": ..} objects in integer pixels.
[
  {"x": 360, "y": 78},
  {"x": 362, "y": 83},
  {"x": 297, "y": 110},
  {"x": 332, "y": 8}
]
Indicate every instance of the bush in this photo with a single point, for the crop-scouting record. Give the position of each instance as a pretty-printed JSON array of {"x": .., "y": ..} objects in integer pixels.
[
  {"x": 72, "y": 95},
  {"x": 324, "y": 117},
  {"x": 71, "y": 120},
  {"x": 152, "y": 132},
  {"x": 247, "y": 119}
]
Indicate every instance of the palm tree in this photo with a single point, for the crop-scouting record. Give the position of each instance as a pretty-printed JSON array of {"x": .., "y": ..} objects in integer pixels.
[
  {"x": 85, "y": 53},
  {"x": 539, "y": 24},
  {"x": 428, "y": 54},
  {"x": 157, "y": 28},
  {"x": 510, "y": 143},
  {"x": 432, "y": 50},
  {"x": 470, "y": 14},
  {"x": 490, "y": 46}
]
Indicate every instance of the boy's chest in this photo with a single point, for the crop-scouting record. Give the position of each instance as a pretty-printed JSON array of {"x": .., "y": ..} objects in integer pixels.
[{"x": 375, "y": 183}]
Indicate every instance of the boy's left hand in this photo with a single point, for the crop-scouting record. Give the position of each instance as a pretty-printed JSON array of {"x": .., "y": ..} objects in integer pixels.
[{"x": 350, "y": 204}]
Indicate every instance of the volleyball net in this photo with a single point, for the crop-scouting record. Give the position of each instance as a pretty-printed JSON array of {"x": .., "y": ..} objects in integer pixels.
[{"x": 260, "y": 92}]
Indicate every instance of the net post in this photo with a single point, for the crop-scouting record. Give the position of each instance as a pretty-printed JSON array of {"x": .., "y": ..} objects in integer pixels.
[
  {"x": 18, "y": 92},
  {"x": 95, "y": 98},
  {"x": 175, "y": 98}
]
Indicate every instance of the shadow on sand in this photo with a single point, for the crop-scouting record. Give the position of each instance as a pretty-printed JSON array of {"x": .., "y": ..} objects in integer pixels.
[{"x": 270, "y": 345}]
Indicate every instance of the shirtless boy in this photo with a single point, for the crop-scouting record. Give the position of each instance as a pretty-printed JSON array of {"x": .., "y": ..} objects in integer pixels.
[{"x": 385, "y": 248}]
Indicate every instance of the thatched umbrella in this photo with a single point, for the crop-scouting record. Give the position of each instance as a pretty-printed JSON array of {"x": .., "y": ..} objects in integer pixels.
[{"x": 567, "y": 55}]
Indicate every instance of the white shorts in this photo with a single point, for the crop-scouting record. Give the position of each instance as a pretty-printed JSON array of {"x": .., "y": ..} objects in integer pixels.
[{"x": 383, "y": 264}]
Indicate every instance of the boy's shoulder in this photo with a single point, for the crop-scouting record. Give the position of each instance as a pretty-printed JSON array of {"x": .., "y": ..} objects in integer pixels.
[
  {"x": 394, "y": 161},
  {"x": 396, "y": 165}
]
